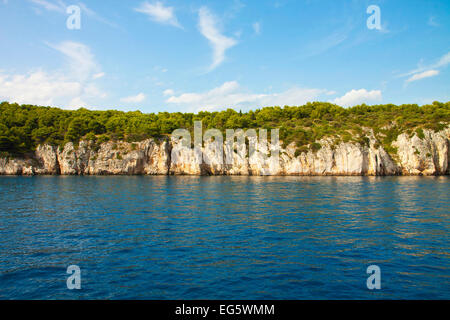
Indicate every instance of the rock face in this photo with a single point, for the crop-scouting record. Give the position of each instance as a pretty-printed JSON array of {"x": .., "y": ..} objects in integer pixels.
[
  {"x": 344, "y": 159},
  {"x": 110, "y": 158},
  {"x": 428, "y": 155}
]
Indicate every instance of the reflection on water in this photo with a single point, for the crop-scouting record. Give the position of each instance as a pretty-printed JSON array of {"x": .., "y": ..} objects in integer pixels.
[{"x": 224, "y": 237}]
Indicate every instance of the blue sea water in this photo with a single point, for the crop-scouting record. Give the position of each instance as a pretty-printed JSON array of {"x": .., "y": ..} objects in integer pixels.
[{"x": 224, "y": 237}]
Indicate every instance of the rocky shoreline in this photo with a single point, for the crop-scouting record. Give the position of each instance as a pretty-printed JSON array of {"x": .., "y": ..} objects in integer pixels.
[{"x": 427, "y": 156}]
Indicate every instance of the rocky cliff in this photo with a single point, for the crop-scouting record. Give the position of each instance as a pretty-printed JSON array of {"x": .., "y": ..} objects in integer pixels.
[{"x": 426, "y": 155}]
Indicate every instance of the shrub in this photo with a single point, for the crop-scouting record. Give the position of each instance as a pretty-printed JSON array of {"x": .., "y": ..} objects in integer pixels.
[
  {"x": 299, "y": 151},
  {"x": 90, "y": 137},
  {"x": 24, "y": 127},
  {"x": 420, "y": 133},
  {"x": 103, "y": 138},
  {"x": 316, "y": 146}
]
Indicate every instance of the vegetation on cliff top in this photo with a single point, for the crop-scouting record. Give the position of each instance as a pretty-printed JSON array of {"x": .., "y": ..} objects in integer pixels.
[{"x": 24, "y": 127}]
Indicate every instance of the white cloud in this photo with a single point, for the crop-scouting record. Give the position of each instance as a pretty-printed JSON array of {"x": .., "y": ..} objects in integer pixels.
[
  {"x": 60, "y": 7},
  {"x": 77, "y": 103},
  {"x": 168, "y": 92},
  {"x": 257, "y": 28},
  {"x": 79, "y": 57},
  {"x": 322, "y": 45},
  {"x": 57, "y": 6},
  {"x": 94, "y": 15},
  {"x": 91, "y": 90},
  {"x": 38, "y": 87},
  {"x": 98, "y": 75},
  {"x": 220, "y": 43},
  {"x": 134, "y": 99},
  {"x": 231, "y": 95},
  {"x": 355, "y": 97},
  {"x": 159, "y": 13},
  {"x": 423, "y": 75},
  {"x": 441, "y": 63},
  {"x": 65, "y": 87},
  {"x": 160, "y": 69}
]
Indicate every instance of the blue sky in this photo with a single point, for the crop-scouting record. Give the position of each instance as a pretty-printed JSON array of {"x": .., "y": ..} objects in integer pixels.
[{"x": 187, "y": 56}]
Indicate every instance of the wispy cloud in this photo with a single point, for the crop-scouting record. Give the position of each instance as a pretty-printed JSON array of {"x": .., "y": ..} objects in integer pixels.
[
  {"x": 94, "y": 15},
  {"x": 61, "y": 7},
  {"x": 432, "y": 21},
  {"x": 322, "y": 45},
  {"x": 427, "y": 71},
  {"x": 98, "y": 75},
  {"x": 355, "y": 97},
  {"x": 441, "y": 63},
  {"x": 230, "y": 94},
  {"x": 159, "y": 13},
  {"x": 57, "y": 6},
  {"x": 219, "y": 43},
  {"x": 423, "y": 75},
  {"x": 79, "y": 57},
  {"x": 168, "y": 92},
  {"x": 134, "y": 99},
  {"x": 160, "y": 69},
  {"x": 256, "y": 28}
]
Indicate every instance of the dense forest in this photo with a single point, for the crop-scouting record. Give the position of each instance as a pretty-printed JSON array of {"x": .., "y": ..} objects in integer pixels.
[{"x": 24, "y": 127}]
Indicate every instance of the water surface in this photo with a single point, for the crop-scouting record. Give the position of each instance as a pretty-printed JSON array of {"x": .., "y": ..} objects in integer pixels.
[{"x": 224, "y": 237}]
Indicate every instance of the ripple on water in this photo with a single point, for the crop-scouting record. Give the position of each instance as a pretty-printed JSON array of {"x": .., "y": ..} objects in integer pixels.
[{"x": 224, "y": 237}]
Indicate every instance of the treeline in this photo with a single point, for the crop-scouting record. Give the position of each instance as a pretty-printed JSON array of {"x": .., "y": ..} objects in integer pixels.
[{"x": 24, "y": 127}]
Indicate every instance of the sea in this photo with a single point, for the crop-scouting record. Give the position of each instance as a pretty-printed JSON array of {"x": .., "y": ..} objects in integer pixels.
[{"x": 224, "y": 237}]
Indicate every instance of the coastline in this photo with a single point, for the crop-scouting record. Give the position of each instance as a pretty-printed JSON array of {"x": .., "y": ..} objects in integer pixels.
[{"x": 415, "y": 156}]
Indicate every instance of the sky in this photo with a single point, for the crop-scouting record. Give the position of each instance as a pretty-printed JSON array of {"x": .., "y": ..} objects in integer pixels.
[{"x": 189, "y": 56}]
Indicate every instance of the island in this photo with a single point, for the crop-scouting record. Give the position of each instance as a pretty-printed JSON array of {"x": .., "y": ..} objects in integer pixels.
[{"x": 318, "y": 138}]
